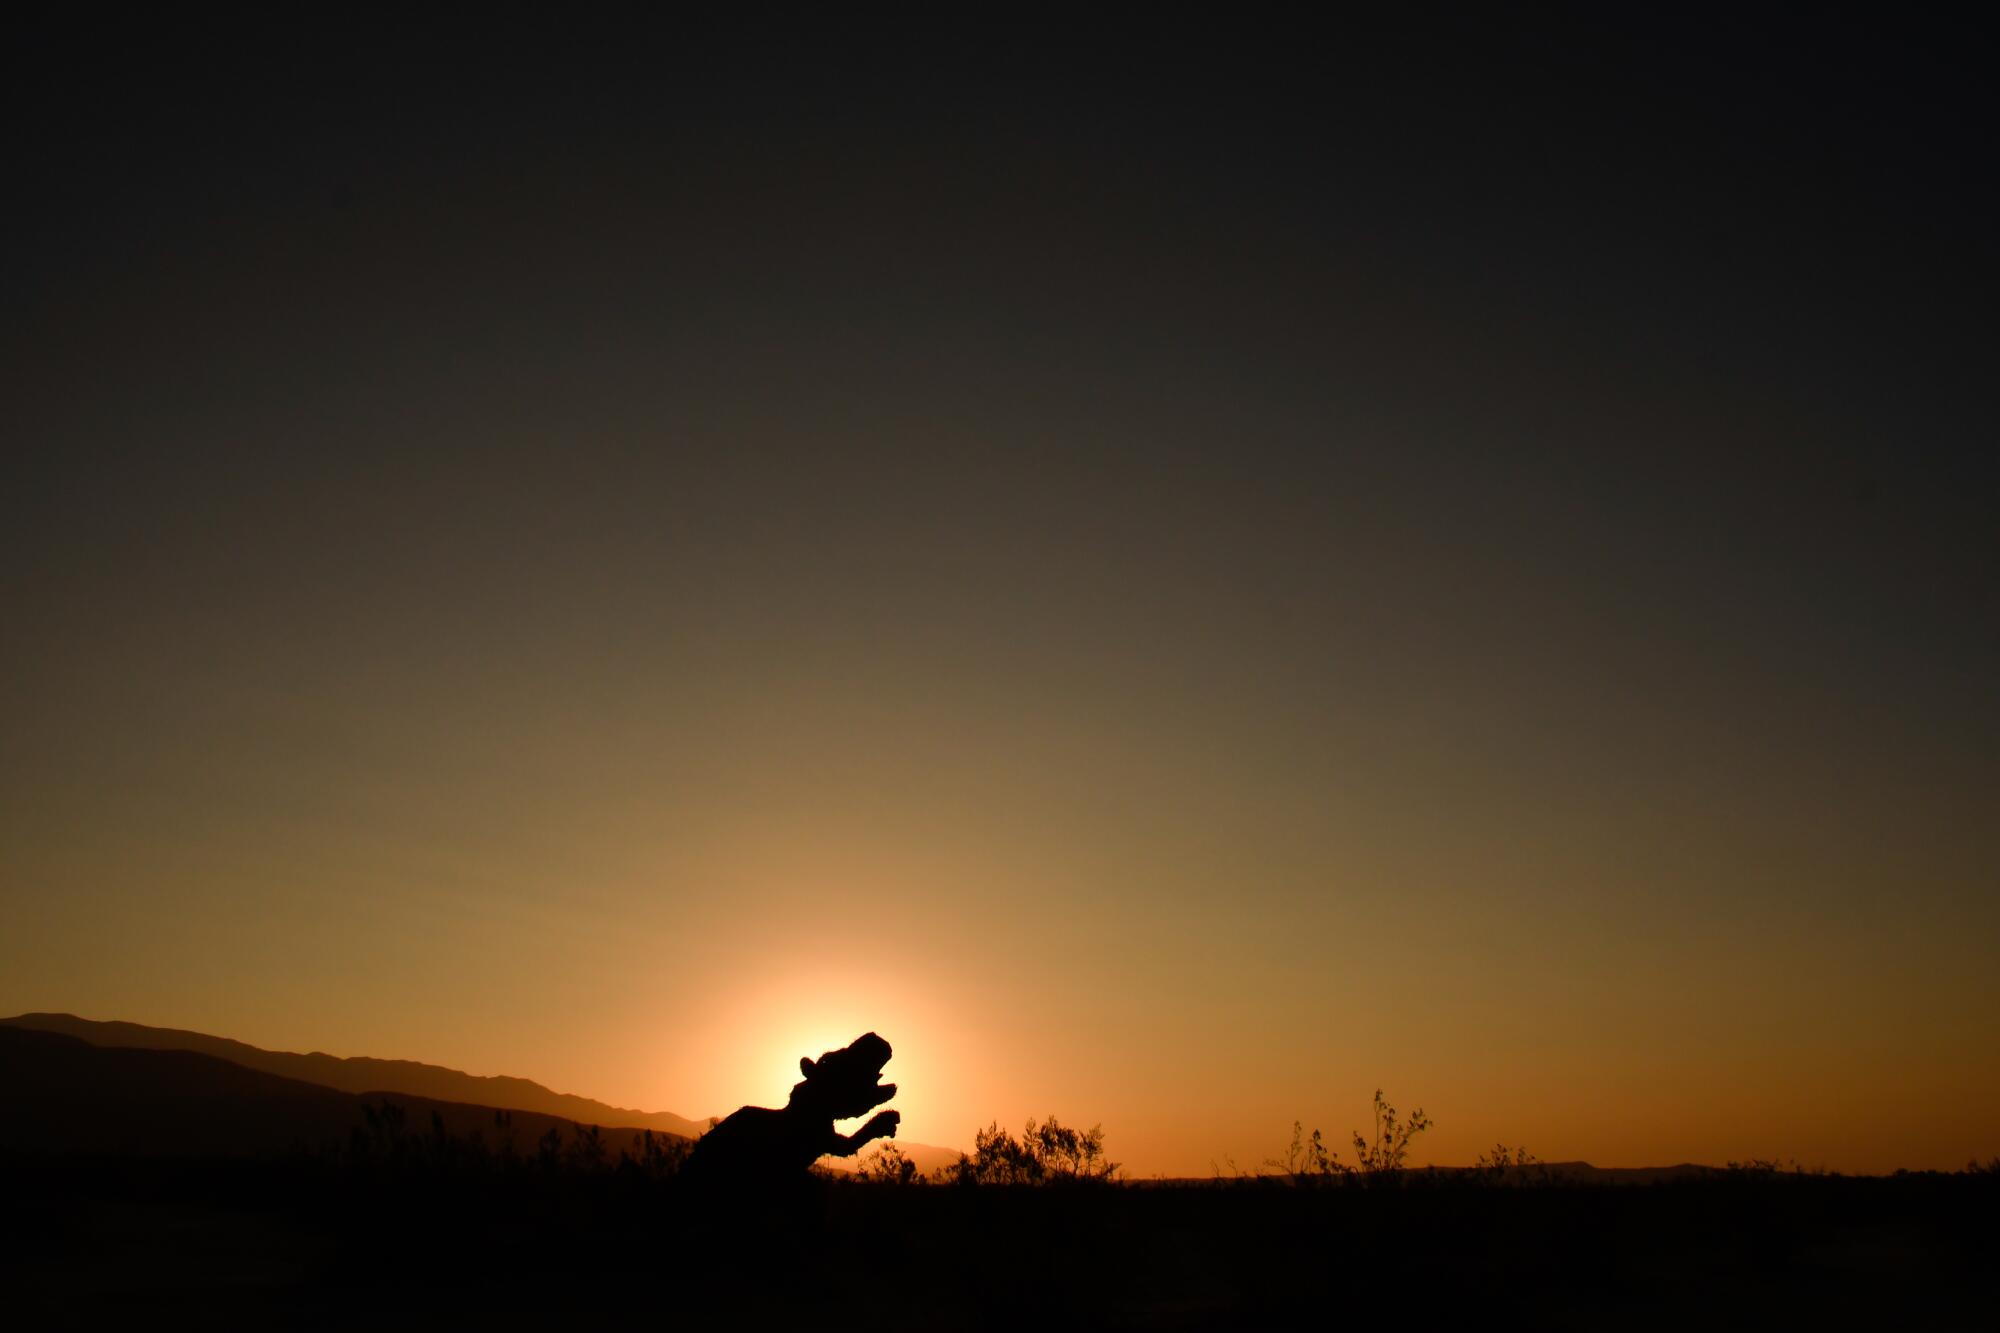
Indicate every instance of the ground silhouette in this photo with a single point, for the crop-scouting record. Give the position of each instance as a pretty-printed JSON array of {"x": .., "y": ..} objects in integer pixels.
[
  {"x": 758, "y": 1144},
  {"x": 168, "y": 1188}
]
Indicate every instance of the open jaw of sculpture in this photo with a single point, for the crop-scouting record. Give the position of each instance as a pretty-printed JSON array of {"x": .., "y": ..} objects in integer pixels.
[
  {"x": 757, "y": 1141},
  {"x": 847, "y": 1082}
]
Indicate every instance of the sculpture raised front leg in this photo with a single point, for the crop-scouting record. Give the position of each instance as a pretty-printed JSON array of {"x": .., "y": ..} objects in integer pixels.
[{"x": 881, "y": 1125}]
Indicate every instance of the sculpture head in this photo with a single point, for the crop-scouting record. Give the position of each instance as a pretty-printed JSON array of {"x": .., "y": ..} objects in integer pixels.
[{"x": 845, "y": 1083}]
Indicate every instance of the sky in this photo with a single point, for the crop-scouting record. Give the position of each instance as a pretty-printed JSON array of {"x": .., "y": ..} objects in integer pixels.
[{"x": 1181, "y": 572}]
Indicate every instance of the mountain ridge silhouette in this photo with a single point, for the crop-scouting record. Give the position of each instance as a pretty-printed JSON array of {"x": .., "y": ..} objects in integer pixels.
[
  {"x": 366, "y": 1074},
  {"x": 61, "y": 1094}
]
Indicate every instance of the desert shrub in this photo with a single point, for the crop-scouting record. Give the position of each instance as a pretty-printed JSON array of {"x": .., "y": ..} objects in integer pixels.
[
  {"x": 888, "y": 1165},
  {"x": 1384, "y": 1155},
  {"x": 1378, "y": 1160},
  {"x": 1506, "y": 1165},
  {"x": 380, "y": 1133},
  {"x": 1308, "y": 1161},
  {"x": 1050, "y": 1153},
  {"x": 658, "y": 1156},
  {"x": 997, "y": 1158},
  {"x": 586, "y": 1148},
  {"x": 1769, "y": 1168},
  {"x": 1068, "y": 1154}
]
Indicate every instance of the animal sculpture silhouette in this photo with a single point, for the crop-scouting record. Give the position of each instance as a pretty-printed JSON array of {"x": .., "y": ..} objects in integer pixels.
[{"x": 756, "y": 1143}]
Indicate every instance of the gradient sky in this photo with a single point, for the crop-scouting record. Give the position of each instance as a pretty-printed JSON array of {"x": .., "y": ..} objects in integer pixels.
[{"x": 1180, "y": 577}]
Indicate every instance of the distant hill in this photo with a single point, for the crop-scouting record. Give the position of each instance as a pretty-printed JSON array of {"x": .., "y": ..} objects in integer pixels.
[
  {"x": 1583, "y": 1173},
  {"x": 409, "y": 1078},
  {"x": 61, "y": 1094},
  {"x": 363, "y": 1074}
]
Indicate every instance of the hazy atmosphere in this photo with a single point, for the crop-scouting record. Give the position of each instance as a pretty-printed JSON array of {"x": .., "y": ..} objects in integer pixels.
[{"x": 1177, "y": 606}]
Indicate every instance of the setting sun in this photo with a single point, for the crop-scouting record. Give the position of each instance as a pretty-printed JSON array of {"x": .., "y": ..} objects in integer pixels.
[{"x": 761, "y": 1031}]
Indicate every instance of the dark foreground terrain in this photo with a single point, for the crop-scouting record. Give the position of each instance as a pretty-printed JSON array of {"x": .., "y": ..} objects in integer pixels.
[{"x": 321, "y": 1242}]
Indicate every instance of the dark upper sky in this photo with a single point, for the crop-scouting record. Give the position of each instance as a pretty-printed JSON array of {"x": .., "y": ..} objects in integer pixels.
[{"x": 1564, "y": 430}]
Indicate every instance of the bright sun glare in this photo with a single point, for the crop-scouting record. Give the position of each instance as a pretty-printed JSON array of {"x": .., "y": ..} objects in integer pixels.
[{"x": 810, "y": 1015}]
